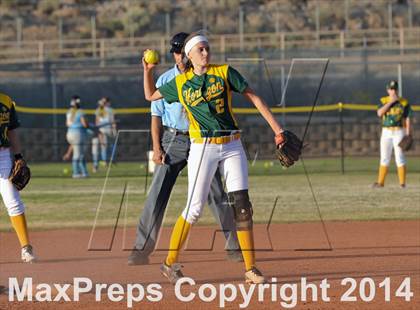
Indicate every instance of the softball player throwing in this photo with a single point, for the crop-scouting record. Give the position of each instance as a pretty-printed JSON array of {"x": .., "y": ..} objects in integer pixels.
[
  {"x": 9, "y": 142},
  {"x": 395, "y": 113},
  {"x": 171, "y": 145},
  {"x": 205, "y": 90}
]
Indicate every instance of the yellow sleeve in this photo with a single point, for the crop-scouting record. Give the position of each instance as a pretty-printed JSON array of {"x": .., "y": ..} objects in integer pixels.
[{"x": 384, "y": 100}]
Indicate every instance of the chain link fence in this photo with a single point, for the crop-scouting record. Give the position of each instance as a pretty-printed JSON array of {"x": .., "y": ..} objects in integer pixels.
[{"x": 282, "y": 83}]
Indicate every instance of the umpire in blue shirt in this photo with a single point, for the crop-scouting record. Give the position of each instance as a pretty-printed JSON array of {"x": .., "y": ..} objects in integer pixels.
[{"x": 171, "y": 144}]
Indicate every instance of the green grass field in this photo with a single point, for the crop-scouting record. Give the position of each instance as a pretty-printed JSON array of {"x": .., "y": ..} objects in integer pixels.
[{"x": 55, "y": 200}]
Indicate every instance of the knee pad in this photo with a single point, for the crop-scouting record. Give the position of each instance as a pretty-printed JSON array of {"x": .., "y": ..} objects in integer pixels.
[{"x": 242, "y": 209}]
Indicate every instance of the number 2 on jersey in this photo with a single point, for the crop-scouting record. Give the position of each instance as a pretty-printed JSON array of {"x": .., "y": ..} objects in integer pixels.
[{"x": 220, "y": 105}]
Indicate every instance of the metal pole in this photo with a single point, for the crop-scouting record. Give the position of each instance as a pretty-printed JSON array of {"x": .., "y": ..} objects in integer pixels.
[
  {"x": 346, "y": 15},
  {"x": 131, "y": 35},
  {"x": 283, "y": 85},
  {"x": 54, "y": 106},
  {"x": 390, "y": 23},
  {"x": 241, "y": 29},
  {"x": 204, "y": 14},
  {"x": 400, "y": 86},
  {"x": 410, "y": 14},
  {"x": 167, "y": 25},
  {"x": 317, "y": 26},
  {"x": 41, "y": 54},
  {"x": 102, "y": 53},
  {"x": 162, "y": 50},
  {"x": 402, "y": 45},
  {"x": 340, "y": 113},
  {"x": 60, "y": 34},
  {"x": 277, "y": 24},
  {"x": 132, "y": 31},
  {"x": 93, "y": 34},
  {"x": 19, "y": 26},
  {"x": 365, "y": 67},
  {"x": 222, "y": 48},
  {"x": 283, "y": 45},
  {"x": 342, "y": 44}
]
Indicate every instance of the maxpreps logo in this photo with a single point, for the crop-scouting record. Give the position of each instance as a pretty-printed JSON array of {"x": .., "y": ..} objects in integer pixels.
[{"x": 194, "y": 97}]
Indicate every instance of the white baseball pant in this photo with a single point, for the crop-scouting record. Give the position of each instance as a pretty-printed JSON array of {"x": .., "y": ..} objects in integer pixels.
[
  {"x": 389, "y": 140},
  {"x": 203, "y": 161},
  {"x": 9, "y": 193}
]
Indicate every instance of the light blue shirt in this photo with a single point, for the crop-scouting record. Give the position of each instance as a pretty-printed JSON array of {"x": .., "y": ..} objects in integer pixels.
[
  {"x": 75, "y": 119},
  {"x": 172, "y": 114}
]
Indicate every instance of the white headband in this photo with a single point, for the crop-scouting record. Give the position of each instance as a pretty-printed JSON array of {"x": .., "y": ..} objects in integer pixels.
[
  {"x": 75, "y": 101},
  {"x": 193, "y": 41}
]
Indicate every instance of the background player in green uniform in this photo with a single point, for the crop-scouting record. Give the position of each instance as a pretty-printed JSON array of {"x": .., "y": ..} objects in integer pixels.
[{"x": 395, "y": 113}]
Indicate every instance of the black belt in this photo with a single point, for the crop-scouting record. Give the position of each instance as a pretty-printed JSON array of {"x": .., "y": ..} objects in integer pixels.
[{"x": 177, "y": 132}]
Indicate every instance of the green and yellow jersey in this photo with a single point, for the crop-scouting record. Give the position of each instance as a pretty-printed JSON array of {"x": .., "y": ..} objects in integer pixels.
[
  {"x": 8, "y": 119},
  {"x": 207, "y": 99},
  {"x": 396, "y": 114}
]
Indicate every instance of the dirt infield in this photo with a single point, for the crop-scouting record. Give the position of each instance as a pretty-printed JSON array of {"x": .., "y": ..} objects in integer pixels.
[{"x": 292, "y": 251}]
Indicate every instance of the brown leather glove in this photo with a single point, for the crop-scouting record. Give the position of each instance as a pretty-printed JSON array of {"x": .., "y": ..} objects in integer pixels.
[
  {"x": 20, "y": 174},
  {"x": 406, "y": 143},
  {"x": 289, "y": 148}
]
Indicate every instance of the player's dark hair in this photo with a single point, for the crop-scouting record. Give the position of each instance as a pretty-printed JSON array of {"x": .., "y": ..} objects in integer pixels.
[
  {"x": 187, "y": 63},
  {"x": 75, "y": 102}
]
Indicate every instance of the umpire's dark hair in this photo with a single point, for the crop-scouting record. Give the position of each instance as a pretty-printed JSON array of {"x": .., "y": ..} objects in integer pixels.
[{"x": 177, "y": 42}]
